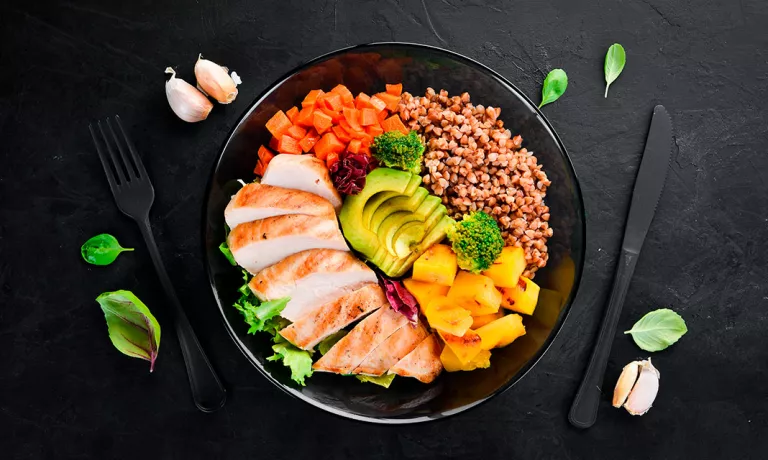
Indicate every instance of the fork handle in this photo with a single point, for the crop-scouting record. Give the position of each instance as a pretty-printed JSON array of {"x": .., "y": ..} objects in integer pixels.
[{"x": 207, "y": 391}]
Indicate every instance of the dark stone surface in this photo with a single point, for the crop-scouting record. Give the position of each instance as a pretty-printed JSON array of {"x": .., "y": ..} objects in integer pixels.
[{"x": 66, "y": 393}]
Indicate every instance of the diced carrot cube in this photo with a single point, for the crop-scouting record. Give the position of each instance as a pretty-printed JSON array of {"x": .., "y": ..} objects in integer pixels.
[
  {"x": 351, "y": 132},
  {"x": 341, "y": 133},
  {"x": 296, "y": 132},
  {"x": 395, "y": 90},
  {"x": 309, "y": 140},
  {"x": 362, "y": 101},
  {"x": 332, "y": 158},
  {"x": 291, "y": 114},
  {"x": 377, "y": 103},
  {"x": 365, "y": 150},
  {"x": 273, "y": 143},
  {"x": 354, "y": 146},
  {"x": 260, "y": 168},
  {"x": 333, "y": 101},
  {"x": 345, "y": 93},
  {"x": 383, "y": 115},
  {"x": 311, "y": 98},
  {"x": 288, "y": 144},
  {"x": 321, "y": 121},
  {"x": 265, "y": 155},
  {"x": 374, "y": 130},
  {"x": 353, "y": 118},
  {"x": 394, "y": 123},
  {"x": 335, "y": 116},
  {"x": 278, "y": 124},
  {"x": 391, "y": 100},
  {"x": 304, "y": 118},
  {"x": 327, "y": 144},
  {"x": 368, "y": 117}
]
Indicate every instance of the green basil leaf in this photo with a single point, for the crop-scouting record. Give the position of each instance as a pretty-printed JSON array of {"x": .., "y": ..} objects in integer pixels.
[
  {"x": 554, "y": 86},
  {"x": 299, "y": 361},
  {"x": 615, "y": 59},
  {"x": 101, "y": 249},
  {"x": 330, "y": 341},
  {"x": 658, "y": 329},
  {"x": 227, "y": 253},
  {"x": 383, "y": 380},
  {"x": 132, "y": 328}
]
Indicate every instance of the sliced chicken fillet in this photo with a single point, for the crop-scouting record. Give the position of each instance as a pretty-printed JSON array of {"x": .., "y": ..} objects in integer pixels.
[
  {"x": 333, "y": 316},
  {"x": 302, "y": 172},
  {"x": 259, "y": 201},
  {"x": 423, "y": 363},
  {"x": 392, "y": 350},
  {"x": 354, "y": 347},
  {"x": 259, "y": 244},
  {"x": 311, "y": 278}
]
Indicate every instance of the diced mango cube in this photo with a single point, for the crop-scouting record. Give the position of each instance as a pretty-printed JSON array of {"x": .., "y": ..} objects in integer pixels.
[
  {"x": 465, "y": 347},
  {"x": 522, "y": 298},
  {"x": 476, "y": 293},
  {"x": 443, "y": 315},
  {"x": 424, "y": 292},
  {"x": 451, "y": 362},
  {"x": 508, "y": 267},
  {"x": 482, "y": 320},
  {"x": 436, "y": 265},
  {"x": 501, "y": 332}
]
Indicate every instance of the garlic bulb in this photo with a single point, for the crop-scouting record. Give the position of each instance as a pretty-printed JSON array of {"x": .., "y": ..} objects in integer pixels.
[
  {"x": 637, "y": 387},
  {"x": 187, "y": 102},
  {"x": 213, "y": 80}
]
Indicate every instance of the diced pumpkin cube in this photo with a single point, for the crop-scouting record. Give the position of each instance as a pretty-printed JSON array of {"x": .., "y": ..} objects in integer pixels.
[
  {"x": 451, "y": 362},
  {"x": 445, "y": 316},
  {"x": 501, "y": 332},
  {"x": 476, "y": 293},
  {"x": 424, "y": 292},
  {"x": 465, "y": 347},
  {"x": 436, "y": 265},
  {"x": 482, "y": 320},
  {"x": 522, "y": 298},
  {"x": 507, "y": 268}
]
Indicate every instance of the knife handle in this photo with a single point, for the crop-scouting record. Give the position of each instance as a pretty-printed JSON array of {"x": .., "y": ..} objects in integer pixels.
[{"x": 583, "y": 412}]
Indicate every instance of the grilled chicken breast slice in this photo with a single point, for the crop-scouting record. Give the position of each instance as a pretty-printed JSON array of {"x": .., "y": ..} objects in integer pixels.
[
  {"x": 392, "y": 350},
  {"x": 302, "y": 172},
  {"x": 259, "y": 201},
  {"x": 311, "y": 278},
  {"x": 333, "y": 316},
  {"x": 257, "y": 245},
  {"x": 422, "y": 363},
  {"x": 354, "y": 347}
]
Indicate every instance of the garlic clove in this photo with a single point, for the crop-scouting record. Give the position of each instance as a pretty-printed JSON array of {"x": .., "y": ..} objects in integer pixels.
[
  {"x": 214, "y": 81},
  {"x": 625, "y": 383},
  {"x": 185, "y": 100},
  {"x": 645, "y": 389}
]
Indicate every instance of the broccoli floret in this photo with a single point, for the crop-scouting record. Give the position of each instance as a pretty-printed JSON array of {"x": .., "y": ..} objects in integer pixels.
[
  {"x": 477, "y": 241},
  {"x": 396, "y": 150}
]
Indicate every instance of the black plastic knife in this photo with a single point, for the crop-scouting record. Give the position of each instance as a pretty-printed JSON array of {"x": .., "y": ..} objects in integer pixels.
[{"x": 645, "y": 197}]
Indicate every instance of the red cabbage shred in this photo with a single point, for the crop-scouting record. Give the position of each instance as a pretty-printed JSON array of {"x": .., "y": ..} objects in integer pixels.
[
  {"x": 348, "y": 174},
  {"x": 399, "y": 298}
]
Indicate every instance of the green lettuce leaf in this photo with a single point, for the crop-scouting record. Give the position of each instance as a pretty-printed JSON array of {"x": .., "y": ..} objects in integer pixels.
[
  {"x": 330, "y": 341},
  {"x": 299, "y": 361},
  {"x": 227, "y": 253},
  {"x": 384, "y": 380}
]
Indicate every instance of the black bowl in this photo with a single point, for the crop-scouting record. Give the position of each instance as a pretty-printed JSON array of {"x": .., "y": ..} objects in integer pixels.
[{"x": 367, "y": 68}]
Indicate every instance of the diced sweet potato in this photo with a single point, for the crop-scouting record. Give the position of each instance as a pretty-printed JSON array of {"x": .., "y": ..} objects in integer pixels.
[{"x": 436, "y": 265}]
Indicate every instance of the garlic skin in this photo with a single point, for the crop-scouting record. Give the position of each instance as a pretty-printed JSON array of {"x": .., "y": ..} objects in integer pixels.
[
  {"x": 637, "y": 387},
  {"x": 185, "y": 100},
  {"x": 213, "y": 80}
]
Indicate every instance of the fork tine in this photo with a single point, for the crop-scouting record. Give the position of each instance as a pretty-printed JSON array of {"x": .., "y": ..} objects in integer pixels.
[
  {"x": 134, "y": 155},
  {"x": 115, "y": 162},
  {"x": 130, "y": 171},
  {"x": 103, "y": 158}
]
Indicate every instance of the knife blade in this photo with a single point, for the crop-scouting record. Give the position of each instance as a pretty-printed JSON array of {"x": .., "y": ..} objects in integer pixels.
[{"x": 645, "y": 198}]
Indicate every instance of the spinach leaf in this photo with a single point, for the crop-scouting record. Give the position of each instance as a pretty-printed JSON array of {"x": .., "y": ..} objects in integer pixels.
[
  {"x": 299, "y": 361},
  {"x": 227, "y": 253},
  {"x": 554, "y": 86},
  {"x": 383, "y": 380},
  {"x": 615, "y": 59},
  {"x": 101, "y": 249},
  {"x": 132, "y": 328},
  {"x": 658, "y": 329}
]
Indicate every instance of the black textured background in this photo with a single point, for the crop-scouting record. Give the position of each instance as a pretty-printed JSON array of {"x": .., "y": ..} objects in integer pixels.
[{"x": 66, "y": 393}]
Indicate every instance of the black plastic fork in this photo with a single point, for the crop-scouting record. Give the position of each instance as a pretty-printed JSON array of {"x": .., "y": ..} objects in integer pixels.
[{"x": 134, "y": 195}]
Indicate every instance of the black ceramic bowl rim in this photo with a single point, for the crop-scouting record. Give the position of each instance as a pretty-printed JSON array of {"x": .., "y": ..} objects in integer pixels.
[{"x": 579, "y": 265}]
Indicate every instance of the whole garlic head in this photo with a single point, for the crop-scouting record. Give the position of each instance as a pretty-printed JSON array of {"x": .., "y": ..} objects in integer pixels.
[
  {"x": 213, "y": 80},
  {"x": 637, "y": 387},
  {"x": 185, "y": 100}
]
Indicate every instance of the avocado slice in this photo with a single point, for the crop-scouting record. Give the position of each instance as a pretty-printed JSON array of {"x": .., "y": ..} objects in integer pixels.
[
  {"x": 390, "y": 228},
  {"x": 433, "y": 237},
  {"x": 391, "y": 263},
  {"x": 407, "y": 237},
  {"x": 397, "y": 204},
  {"x": 373, "y": 204},
  {"x": 351, "y": 216}
]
